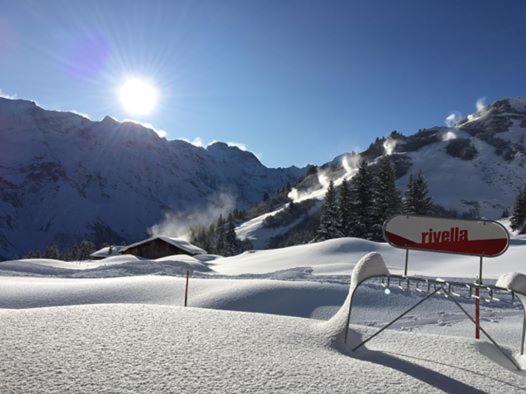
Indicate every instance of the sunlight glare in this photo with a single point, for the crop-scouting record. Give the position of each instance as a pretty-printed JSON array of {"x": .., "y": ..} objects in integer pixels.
[{"x": 138, "y": 97}]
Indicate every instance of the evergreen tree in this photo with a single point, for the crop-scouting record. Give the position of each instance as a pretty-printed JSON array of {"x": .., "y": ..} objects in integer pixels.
[
  {"x": 345, "y": 209},
  {"x": 518, "y": 218},
  {"x": 220, "y": 240},
  {"x": 266, "y": 196},
  {"x": 52, "y": 252},
  {"x": 362, "y": 203},
  {"x": 387, "y": 201},
  {"x": 329, "y": 220},
  {"x": 231, "y": 242},
  {"x": 416, "y": 198},
  {"x": 85, "y": 249}
]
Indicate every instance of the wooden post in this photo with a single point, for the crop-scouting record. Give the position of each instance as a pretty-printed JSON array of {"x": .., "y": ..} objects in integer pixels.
[{"x": 186, "y": 288}]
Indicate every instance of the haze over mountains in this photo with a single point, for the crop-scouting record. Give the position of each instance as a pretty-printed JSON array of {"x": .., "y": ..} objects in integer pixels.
[{"x": 64, "y": 177}]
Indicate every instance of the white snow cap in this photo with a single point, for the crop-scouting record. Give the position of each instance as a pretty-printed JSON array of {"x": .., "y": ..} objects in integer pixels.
[
  {"x": 369, "y": 266},
  {"x": 177, "y": 242},
  {"x": 513, "y": 281}
]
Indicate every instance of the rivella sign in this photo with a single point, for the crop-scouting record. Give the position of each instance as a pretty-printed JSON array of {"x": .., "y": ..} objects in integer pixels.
[{"x": 485, "y": 238}]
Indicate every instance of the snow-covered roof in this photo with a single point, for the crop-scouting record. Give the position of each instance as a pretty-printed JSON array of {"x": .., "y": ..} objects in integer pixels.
[
  {"x": 105, "y": 251},
  {"x": 177, "y": 242}
]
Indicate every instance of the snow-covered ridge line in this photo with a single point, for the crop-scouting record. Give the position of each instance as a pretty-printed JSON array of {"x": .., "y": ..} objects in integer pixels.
[{"x": 110, "y": 181}]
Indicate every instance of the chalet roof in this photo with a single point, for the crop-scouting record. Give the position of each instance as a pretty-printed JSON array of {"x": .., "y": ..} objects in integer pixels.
[
  {"x": 177, "y": 242},
  {"x": 105, "y": 251}
]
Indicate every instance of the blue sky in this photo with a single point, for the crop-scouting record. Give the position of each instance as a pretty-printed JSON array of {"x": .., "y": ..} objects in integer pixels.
[{"x": 295, "y": 81}]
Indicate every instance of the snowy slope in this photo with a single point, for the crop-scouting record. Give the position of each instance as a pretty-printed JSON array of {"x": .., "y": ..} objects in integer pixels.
[
  {"x": 64, "y": 178},
  {"x": 130, "y": 348},
  {"x": 476, "y": 166}
]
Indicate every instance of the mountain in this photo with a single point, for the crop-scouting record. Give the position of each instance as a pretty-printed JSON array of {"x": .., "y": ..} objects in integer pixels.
[
  {"x": 64, "y": 178},
  {"x": 475, "y": 167}
]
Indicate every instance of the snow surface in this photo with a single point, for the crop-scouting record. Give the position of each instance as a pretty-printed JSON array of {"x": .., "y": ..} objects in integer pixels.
[
  {"x": 129, "y": 333},
  {"x": 513, "y": 281},
  {"x": 130, "y": 348}
]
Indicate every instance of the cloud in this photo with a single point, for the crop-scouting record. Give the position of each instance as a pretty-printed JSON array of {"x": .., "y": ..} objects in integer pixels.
[
  {"x": 239, "y": 145},
  {"x": 389, "y": 146},
  {"x": 197, "y": 141},
  {"x": 83, "y": 114},
  {"x": 452, "y": 118},
  {"x": 481, "y": 103},
  {"x": 448, "y": 136},
  {"x": 7, "y": 96},
  {"x": 180, "y": 224}
]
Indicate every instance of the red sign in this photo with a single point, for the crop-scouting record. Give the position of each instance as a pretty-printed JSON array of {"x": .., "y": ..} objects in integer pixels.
[{"x": 474, "y": 237}]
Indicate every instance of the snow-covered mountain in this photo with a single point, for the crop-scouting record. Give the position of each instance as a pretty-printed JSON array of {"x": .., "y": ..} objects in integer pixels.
[
  {"x": 476, "y": 166},
  {"x": 64, "y": 178}
]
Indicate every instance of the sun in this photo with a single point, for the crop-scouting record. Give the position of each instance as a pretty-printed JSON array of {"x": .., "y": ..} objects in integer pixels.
[{"x": 138, "y": 96}]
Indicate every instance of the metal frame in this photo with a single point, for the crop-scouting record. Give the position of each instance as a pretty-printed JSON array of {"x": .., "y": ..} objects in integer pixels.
[{"x": 440, "y": 285}]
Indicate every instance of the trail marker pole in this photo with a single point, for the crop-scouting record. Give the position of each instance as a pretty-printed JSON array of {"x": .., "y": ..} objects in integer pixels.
[
  {"x": 477, "y": 302},
  {"x": 186, "y": 288},
  {"x": 406, "y": 261}
]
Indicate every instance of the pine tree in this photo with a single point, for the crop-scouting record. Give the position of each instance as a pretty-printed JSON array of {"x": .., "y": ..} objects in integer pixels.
[
  {"x": 345, "y": 209},
  {"x": 231, "y": 242},
  {"x": 416, "y": 198},
  {"x": 220, "y": 240},
  {"x": 362, "y": 203},
  {"x": 85, "y": 249},
  {"x": 329, "y": 221},
  {"x": 518, "y": 218},
  {"x": 387, "y": 201},
  {"x": 52, "y": 252}
]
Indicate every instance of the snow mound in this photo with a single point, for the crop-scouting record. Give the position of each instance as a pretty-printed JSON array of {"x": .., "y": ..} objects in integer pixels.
[
  {"x": 123, "y": 265},
  {"x": 150, "y": 348},
  {"x": 206, "y": 257},
  {"x": 513, "y": 281}
]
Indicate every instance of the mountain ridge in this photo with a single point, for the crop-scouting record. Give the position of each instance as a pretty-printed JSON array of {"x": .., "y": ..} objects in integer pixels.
[
  {"x": 474, "y": 167},
  {"x": 64, "y": 178}
]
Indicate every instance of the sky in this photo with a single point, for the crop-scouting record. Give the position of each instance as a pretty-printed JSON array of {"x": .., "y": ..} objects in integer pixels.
[{"x": 295, "y": 82}]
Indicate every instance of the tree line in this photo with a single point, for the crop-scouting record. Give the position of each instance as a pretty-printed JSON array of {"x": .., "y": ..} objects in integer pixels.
[
  {"x": 220, "y": 237},
  {"x": 518, "y": 217},
  {"x": 359, "y": 207},
  {"x": 79, "y": 251}
]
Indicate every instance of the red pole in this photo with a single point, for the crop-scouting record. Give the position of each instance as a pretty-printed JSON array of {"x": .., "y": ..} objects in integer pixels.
[
  {"x": 186, "y": 288},
  {"x": 477, "y": 313}
]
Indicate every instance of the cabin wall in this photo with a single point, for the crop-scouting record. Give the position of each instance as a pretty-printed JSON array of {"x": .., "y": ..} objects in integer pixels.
[{"x": 155, "y": 249}]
